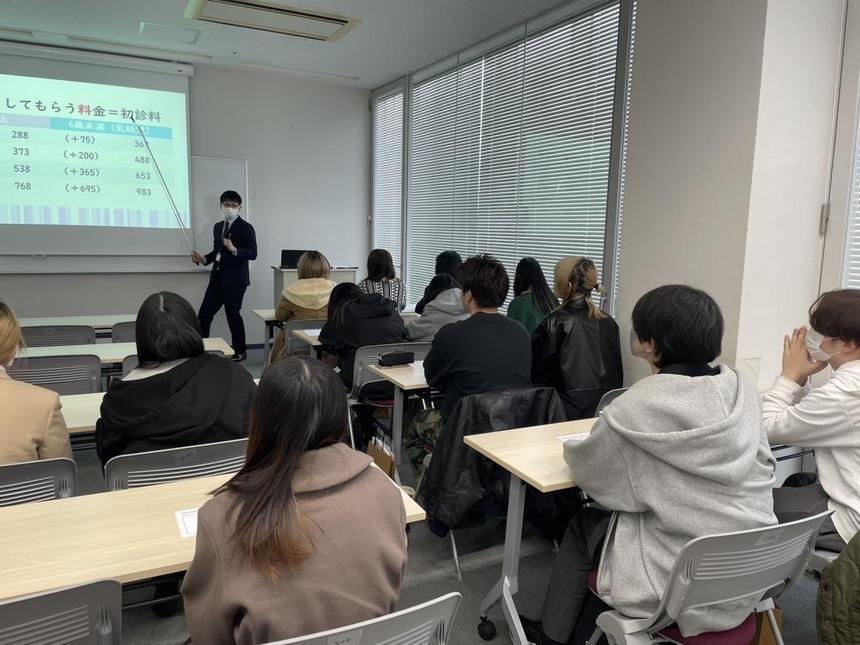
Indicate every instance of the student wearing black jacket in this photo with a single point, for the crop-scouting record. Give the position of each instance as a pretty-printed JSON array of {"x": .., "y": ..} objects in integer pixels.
[
  {"x": 576, "y": 349},
  {"x": 179, "y": 395},
  {"x": 356, "y": 320}
]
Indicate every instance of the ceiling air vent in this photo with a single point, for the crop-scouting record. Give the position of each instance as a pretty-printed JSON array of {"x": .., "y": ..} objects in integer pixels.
[{"x": 270, "y": 17}]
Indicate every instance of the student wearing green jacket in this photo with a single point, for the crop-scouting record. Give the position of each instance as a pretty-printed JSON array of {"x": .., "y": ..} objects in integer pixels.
[{"x": 533, "y": 299}]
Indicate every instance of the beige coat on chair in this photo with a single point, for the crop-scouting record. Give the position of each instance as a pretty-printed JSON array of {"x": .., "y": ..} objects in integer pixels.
[
  {"x": 301, "y": 300},
  {"x": 32, "y": 426}
]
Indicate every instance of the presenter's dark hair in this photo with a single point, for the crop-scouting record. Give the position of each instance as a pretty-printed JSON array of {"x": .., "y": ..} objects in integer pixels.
[
  {"x": 447, "y": 262},
  {"x": 380, "y": 266},
  {"x": 685, "y": 324},
  {"x": 167, "y": 329},
  {"x": 529, "y": 275},
  {"x": 486, "y": 279},
  {"x": 232, "y": 196},
  {"x": 299, "y": 406}
]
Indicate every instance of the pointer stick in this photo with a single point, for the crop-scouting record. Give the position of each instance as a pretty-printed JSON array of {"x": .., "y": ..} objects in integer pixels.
[{"x": 164, "y": 185}]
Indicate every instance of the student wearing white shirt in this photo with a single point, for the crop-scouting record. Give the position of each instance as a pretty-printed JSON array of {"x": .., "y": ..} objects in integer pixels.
[{"x": 826, "y": 419}]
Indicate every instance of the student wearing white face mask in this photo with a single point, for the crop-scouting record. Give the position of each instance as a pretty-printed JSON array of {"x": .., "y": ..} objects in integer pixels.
[
  {"x": 235, "y": 244},
  {"x": 826, "y": 418}
]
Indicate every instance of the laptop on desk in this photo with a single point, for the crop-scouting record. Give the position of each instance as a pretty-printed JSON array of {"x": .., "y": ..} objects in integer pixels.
[{"x": 290, "y": 258}]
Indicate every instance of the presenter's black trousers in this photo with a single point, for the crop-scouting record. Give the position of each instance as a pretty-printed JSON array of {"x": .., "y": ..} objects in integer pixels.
[{"x": 230, "y": 297}]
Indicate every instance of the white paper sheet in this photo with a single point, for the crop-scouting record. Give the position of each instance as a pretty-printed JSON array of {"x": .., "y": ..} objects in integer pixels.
[
  {"x": 580, "y": 436},
  {"x": 187, "y": 521}
]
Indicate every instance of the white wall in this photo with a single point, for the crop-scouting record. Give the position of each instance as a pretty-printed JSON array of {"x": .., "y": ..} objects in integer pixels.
[
  {"x": 307, "y": 146},
  {"x": 693, "y": 109},
  {"x": 792, "y": 155}
]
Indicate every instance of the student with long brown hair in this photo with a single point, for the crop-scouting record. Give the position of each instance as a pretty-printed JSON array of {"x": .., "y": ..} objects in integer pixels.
[
  {"x": 32, "y": 426},
  {"x": 308, "y": 536},
  {"x": 576, "y": 349}
]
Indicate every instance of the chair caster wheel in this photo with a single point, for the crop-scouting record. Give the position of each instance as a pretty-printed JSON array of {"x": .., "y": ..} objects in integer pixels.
[{"x": 486, "y": 629}]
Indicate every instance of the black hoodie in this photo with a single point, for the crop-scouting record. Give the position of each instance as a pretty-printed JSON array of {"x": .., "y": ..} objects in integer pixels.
[
  {"x": 205, "y": 399},
  {"x": 370, "y": 319}
]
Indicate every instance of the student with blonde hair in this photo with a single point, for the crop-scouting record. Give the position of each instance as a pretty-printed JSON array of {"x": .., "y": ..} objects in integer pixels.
[
  {"x": 306, "y": 298},
  {"x": 576, "y": 349},
  {"x": 32, "y": 426}
]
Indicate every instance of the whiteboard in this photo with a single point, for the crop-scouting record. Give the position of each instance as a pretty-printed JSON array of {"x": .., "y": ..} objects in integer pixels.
[{"x": 211, "y": 176}]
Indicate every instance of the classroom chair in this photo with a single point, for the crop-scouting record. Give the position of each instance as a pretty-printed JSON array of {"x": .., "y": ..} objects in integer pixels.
[
  {"x": 139, "y": 469},
  {"x": 608, "y": 398},
  {"x": 124, "y": 332},
  {"x": 130, "y": 362},
  {"x": 429, "y": 623},
  {"x": 89, "y": 614},
  {"x": 56, "y": 335},
  {"x": 717, "y": 569},
  {"x": 62, "y": 374},
  {"x": 362, "y": 376},
  {"x": 37, "y": 481}
]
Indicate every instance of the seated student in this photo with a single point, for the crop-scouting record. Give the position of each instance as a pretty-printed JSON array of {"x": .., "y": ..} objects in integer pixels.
[
  {"x": 356, "y": 320},
  {"x": 826, "y": 418},
  {"x": 381, "y": 278},
  {"x": 486, "y": 352},
  {"x": 533, "y": 299},
  {"x": 681, "y": 455},
  {"x": 444, "y": 305},
  {"x": 307, "y": 297},
  {"x": 576, "y": 349},
  {"x": 446, "y": 262},
  {"x": 308, "y": 536},
  {"x": 179, "y": 395},
  {"x": 31, "y": 426}
]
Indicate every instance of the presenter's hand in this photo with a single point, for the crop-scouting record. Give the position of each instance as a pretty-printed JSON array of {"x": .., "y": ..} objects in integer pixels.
[
  {"x": 196, "y": 258},
  {"x": 228, "y": 244}
]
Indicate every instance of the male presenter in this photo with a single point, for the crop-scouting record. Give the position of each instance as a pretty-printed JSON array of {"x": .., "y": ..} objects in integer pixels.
[{"x": 235, "y": 244}]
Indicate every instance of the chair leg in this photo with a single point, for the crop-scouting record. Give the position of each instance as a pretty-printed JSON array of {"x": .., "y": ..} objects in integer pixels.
[
  {"x": 595, "y": 636},
  {"x": 456, "y": 556},
  {"x": 774, "y": 628},
  {"x": 351, "y": 431}
]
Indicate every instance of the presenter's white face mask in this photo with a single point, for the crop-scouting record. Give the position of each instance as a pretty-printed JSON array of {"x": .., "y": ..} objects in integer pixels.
[{"x": 230, "y": 212}]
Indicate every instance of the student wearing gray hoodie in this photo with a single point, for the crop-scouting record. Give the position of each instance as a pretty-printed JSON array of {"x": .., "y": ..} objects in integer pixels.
[
  {"x": 681, "y": 455},
  {"x": 444, "y": 305}
]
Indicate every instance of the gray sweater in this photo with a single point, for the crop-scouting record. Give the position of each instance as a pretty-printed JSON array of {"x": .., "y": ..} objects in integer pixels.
[
  {"x": 678, "y": 458},
  {"x": 445, "y": 308}
]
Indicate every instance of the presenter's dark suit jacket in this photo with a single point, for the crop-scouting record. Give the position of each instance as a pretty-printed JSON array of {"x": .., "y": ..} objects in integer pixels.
[{"x": 233, "y": 269}]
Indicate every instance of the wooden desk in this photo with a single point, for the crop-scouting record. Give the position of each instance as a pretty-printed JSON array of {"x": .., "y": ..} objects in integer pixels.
[
  {"x": 405, "y": 378},
  {"x": 126, "y": 535},
  {"x": 534, "y": 455},
  {"x": 270, "y": 323},
  {"x": 309, "y": 336},
  {"x": 102, "y": 324},
  {"x": 111, "y": 353}
]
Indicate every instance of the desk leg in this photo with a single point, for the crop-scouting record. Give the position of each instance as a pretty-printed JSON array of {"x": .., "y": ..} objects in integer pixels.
[
  {"x": 397, "y": 429},
  {"x": 267, "y": 340},
  {"x": 507, "y": 585}
]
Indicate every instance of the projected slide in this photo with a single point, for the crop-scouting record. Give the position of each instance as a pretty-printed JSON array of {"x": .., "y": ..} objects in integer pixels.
[{"x": 71, "y": 155}]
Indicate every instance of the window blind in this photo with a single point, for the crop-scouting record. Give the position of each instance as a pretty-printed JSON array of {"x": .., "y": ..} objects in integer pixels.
[
  {"x": 510, "y": 152},
  {"x": 388, "y": 175},
  {"x": 851, "y": 269}
]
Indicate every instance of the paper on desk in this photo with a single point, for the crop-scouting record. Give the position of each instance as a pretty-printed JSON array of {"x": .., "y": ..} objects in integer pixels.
[
  {"x": 187, "y": 521},
  {"x": 312, "y": 332},
  {"x": 579, "y": 436}
]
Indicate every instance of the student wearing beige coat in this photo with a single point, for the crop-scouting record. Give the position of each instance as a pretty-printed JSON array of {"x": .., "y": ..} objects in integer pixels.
[
  {"x": 306, "y": 298},
  {"x": 32, "y": 426},
  {"x": 308, "y": 536}
]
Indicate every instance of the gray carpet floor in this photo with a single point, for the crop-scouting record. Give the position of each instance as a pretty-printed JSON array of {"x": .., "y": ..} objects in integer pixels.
[{"x": 430, "y": 573}]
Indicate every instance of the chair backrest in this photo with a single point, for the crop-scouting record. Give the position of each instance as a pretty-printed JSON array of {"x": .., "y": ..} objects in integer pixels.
[
  {"x": 367, "y": 356},
  {"x": 130, "y": 362},
  {"x": 608, "y": 398},
  {"x": 62, "y": 374},
  {"x": 161, "y": 466},
  {"x": 123, "y": 332},
  {"x": 759, "y": 563},
  {"x": 37, "y": 481},
  {"x": 56, "y": 335},
  {"x": 295, "y": 325},
  {"x": 89, "y": 614},
  {"x": 429, "y": 623}
]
